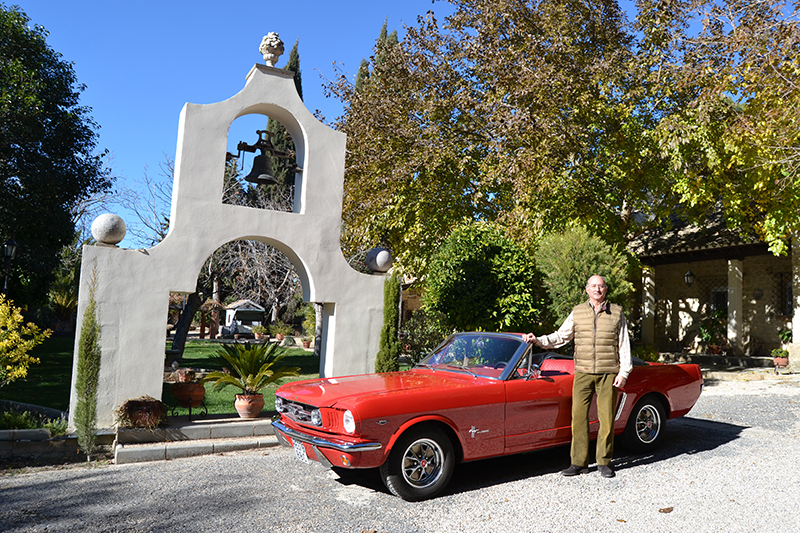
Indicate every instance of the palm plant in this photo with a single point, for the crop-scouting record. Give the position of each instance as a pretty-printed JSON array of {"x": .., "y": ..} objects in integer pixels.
[{"x": 252, "y": 367}]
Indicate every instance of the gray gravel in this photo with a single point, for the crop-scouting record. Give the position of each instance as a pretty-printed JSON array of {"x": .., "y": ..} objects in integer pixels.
[{"x": 728, "y": 466}]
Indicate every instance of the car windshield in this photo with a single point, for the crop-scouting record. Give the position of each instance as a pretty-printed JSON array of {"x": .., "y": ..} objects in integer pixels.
[{"x": 480, "y": 354}]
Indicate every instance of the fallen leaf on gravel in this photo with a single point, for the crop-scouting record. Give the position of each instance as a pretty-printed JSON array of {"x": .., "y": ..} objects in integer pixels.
[
  {"x": 666, "y": 510},
  {"x": 621, "y": 520}
]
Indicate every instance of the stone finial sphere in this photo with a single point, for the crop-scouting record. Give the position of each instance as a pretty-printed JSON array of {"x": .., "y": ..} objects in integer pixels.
[
  {"x": 108, "y": 229},
  {"x": 379, "y": 260}
]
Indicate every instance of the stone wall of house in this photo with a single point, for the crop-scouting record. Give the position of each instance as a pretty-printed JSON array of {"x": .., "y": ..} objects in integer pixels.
[
  {"x": 680, "y": 308},
  {"x": 760, "y": 291}
]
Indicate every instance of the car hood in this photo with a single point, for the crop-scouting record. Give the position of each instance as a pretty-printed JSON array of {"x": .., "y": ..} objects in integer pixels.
[{"x": 329, "y": 392}]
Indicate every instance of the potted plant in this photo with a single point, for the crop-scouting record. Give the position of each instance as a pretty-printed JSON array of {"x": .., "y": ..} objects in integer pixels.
[
  {"x": 259, "y": 331},
  {"x": 188, "y": 391},
  {"x": 144, "y": 412},
  {"x": 712, "y": 331},
  {"x": 251, "y": 368},
  {"x": 306, "y": 340},
  {"x": 280, "y": 330},
  {"x": 780, "y": 357}
]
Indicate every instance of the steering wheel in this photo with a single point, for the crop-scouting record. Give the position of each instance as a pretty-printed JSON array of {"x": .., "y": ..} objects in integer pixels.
[{"x": 501, "y": 364}]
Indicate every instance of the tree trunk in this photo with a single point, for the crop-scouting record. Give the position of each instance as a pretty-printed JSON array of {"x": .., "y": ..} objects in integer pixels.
[{"x": 184, "y": 322}]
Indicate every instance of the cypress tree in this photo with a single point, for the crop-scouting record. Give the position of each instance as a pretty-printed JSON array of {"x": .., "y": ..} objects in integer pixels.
[
  {"x": 87, "y": 376},
  {"x": 388, "y": 359}
]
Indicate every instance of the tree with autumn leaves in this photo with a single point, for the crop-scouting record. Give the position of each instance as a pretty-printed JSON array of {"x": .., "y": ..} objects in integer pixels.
[{"x": 537, "y": 115}]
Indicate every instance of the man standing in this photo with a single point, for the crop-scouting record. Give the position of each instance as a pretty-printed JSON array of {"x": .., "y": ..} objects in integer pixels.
[{"x": 602, "y": 365}]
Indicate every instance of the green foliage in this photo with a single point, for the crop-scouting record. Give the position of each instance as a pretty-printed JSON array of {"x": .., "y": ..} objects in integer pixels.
[
  {"x": 309, "y": 320},
  {"x": 713, "y": 328},
  {"x": 280, "y": 329},
  {"x": 144, "y": 412},
  {"x": 260, "y": 329},
  {"x": 87, "y": 372},
  {"x": 251, "y": 367},
  {"x": 13, "y": 419},
  {"x": 733, "y": 141},
  {"x": 531, "y": 114},
  {"x": 47, "y": 150},
  {"x": 422, "y": 333},
  {"x": 646, "y": 353},
  {"x": 779, "y": 352},
  {"x": 481, "y": 280},
  {"x": 569, "y": 259},
  {"x": 786, "y": 336},
  {"x": 388, "y": 356},
  {"x": 16, "y": 340}
]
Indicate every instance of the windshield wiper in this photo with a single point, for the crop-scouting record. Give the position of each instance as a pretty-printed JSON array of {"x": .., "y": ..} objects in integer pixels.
[
  {"x": 459, "y": 367},
  {"x": 424, "y": 365}
]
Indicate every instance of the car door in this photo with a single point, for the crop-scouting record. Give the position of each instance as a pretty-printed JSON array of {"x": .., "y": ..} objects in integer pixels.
[{"x": 538, "y": 411}]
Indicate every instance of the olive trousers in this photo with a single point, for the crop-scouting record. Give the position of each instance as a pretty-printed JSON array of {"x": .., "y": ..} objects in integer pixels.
[{"x": 584, "y": 387}]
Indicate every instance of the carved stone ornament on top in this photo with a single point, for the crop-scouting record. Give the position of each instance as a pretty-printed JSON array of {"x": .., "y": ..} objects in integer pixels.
[{"x": 271, "y": 48}]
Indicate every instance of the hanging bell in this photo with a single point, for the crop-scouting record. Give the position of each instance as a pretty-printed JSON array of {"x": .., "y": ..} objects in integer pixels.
[{"x": 261, "y": 173}]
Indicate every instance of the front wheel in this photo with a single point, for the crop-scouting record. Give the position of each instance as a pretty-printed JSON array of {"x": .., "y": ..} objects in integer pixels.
[
  {"x": 646, "y": 425},
  {"x": 420, "y": 464}
]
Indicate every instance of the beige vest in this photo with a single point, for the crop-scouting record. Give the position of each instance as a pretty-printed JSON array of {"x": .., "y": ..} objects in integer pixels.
[{"x": 597, "y": 338}]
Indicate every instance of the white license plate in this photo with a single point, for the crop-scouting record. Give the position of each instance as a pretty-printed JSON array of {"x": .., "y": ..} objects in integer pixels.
[{"x": 300, "y": 451}]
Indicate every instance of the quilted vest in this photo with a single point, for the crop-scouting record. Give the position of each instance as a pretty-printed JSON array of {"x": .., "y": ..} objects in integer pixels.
[{"x": 597, "y": 338}]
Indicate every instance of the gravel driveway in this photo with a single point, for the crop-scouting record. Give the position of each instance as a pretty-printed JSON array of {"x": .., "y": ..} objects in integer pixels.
[{"x": 726, "y": 467}]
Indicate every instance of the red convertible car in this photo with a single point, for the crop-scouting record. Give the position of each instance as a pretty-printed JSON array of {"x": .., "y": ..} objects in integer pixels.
[{"x": 477, "y": 395}]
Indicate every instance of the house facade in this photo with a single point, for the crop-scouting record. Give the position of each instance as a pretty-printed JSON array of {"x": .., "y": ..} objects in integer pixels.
[{"x": 695, "y": 278}]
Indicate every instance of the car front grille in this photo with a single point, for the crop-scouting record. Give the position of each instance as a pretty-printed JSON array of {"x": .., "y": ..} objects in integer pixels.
[{"x": 297, "y": 411}]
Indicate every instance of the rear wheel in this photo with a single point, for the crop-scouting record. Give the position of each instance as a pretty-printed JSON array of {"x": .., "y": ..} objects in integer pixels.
[
  {"x": 645, "y": 428},
  {"x": 420, "y": 464}
]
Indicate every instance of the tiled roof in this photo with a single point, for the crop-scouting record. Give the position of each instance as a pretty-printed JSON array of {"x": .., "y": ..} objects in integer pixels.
[{"x": 688, "y": 242}]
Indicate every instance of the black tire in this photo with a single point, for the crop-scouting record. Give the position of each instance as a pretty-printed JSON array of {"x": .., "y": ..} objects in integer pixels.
[
  {"x": 420, "y": 464},
  {"x": 645, "y": 429}
]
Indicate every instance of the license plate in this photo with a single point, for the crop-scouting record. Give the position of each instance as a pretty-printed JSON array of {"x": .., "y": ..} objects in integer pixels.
[{"x": 300, "y": 451}]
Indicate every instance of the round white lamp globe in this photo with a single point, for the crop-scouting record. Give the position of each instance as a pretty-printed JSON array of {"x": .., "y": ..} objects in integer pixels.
[{"x": 379, "y": 260}]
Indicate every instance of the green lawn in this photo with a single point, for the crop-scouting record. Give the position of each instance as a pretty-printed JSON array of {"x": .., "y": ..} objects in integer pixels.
[
  {"x": 48, "y": 383},
  {"x": 200, "y": 354}
]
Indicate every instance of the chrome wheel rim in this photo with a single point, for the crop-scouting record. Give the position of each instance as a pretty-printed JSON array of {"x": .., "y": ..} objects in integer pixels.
[
  {"x": 648, "y": 424},
  {"x": 422, "y": 463}
]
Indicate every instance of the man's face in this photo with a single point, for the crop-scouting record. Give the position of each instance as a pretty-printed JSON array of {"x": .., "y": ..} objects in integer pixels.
[{"x": 596, "y": 288}]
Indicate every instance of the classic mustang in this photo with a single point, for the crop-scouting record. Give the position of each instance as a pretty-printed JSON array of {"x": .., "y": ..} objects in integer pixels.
[{"x": 477, "y": 395}]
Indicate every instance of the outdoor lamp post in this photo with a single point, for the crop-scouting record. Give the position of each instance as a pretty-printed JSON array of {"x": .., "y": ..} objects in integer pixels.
[
  {"x": 689, "y": 278},
  {"x": 9, "y": 250}
]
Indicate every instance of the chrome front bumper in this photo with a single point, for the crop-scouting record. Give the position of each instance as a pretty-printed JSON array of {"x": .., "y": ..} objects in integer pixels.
[{"x": 315, "y": 442}]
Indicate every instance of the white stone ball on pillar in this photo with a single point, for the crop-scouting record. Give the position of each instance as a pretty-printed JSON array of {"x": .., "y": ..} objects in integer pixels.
[
  {"x": 379, "y": 260},
  {"x": 108, "y": 229}
]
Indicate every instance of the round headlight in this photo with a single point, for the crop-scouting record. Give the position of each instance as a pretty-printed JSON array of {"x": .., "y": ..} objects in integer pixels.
[
  {"x": 279, "y": 405},
  {"x": 349, "y": 422},
  {"x": 316, "y": 417}
]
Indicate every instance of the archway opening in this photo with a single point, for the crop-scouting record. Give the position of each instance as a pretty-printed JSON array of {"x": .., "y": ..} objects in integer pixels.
[{"x": 248, "y": 291}]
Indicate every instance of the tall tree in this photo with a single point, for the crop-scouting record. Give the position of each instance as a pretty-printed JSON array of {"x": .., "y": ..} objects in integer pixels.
[
  {"x": 48, "y": 158},
  {"x": 736, "y": 142},
  {"x": 529, "y": 113}
]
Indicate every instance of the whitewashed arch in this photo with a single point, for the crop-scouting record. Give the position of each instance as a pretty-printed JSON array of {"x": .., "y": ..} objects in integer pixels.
[{"x": 132, "y": 286}]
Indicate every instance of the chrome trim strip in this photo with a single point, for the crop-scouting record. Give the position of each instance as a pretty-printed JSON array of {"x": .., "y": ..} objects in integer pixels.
[
  {"x": 321, "y": 458},
  {"x": 316, "y": 441},
  {"x": 621, "y": 405}
]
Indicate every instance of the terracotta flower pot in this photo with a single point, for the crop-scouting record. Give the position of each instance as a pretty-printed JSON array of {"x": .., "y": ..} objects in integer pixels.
[
  {"x": 280, "y": 337},
  {"x": 189, "y": 394},
  {"x": 306, "y": 344},
  {"x": 781, "y": 362},
  {"x": 249, "y": 405}
]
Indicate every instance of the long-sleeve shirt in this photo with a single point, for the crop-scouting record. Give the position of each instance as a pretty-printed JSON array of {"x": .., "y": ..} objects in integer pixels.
[{"x": 567, "y": 332}]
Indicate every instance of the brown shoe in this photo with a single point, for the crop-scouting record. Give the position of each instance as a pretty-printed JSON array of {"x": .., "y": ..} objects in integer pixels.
[
  {"x": 605, "y": 471},
  {"x": 574, "y": 470}
]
